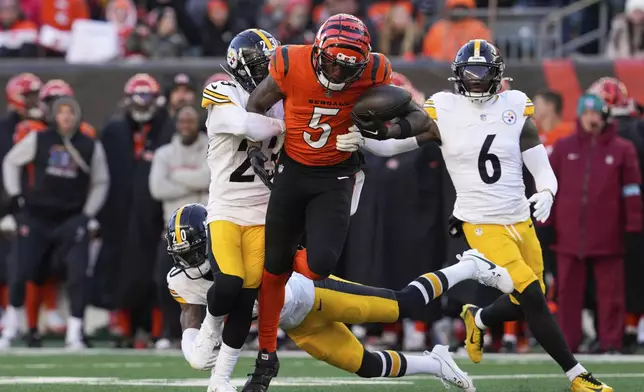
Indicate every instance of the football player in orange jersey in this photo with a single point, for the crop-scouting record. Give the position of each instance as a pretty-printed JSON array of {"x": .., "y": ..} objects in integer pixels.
[{"x": 314, "y": 181}]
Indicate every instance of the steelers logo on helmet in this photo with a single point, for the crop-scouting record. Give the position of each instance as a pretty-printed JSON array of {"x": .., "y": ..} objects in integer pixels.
[
  {"x": 231, "y": 58},
  {"x": 248, "y": 56},
  {"x": 478, "y": 70},
  {"x": 341, "y": 51}
]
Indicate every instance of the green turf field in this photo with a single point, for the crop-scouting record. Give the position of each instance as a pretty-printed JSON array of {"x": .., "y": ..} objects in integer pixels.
[{"x": 140, "y": 371}]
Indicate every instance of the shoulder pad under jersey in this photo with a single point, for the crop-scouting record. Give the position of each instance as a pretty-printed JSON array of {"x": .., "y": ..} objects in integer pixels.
[{"x": 219, "y": 93}]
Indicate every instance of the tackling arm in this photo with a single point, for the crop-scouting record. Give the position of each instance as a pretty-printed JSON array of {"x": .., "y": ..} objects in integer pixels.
[
  {"x": 535, "y": 158},
  {"x": 414, "y": 123},
  {"x": 191, "y": 317},
  {"x": 265, "y": 96}
]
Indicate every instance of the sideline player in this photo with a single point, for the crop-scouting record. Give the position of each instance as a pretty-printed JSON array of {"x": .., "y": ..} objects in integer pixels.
[
  {"x": 314, "y": 313},
  {"x": 237, "y": 204},
  {"x": 314, "y": 181},
  {"x": 486, "y": 137}
]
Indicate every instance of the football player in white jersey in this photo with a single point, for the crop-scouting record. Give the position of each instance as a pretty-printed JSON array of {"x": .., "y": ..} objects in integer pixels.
[
  {"x": 237, "y": 203},
  {"x": 486, "y": 137},
  {"x": 314, "y": 313}
]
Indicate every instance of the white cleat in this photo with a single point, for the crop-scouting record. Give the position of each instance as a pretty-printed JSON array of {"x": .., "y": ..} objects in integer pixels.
[
  {"x": 75, "y": 345},
  {"x": 488, "y": 273},
  {"x": 450, "y": 373},
  {"x": 220, "y": 386},
  {"x": 5, "y": 343},
  {"x": 204, "y": 356},
  {"x": 163, "y": 344}
]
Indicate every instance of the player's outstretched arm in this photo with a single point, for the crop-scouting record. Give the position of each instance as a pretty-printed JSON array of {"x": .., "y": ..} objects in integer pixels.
[
  {"x": 416, "y": 122},
  {"x": 265, "y": 96},
  {"x": 535, "y": 158},
  {"x": 190, "y": 319}
]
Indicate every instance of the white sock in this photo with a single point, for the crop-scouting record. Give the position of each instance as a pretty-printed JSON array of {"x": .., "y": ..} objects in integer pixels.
[
  {"x": 575, "y": 371},
  {"x": 74, "y": 330},
  {"x": 478, "y": 321},
  {"x": 216, "y": 324},
  {"x": 226, "y": 362},
  {"x": 459, "y": 272},
  {"x": 422, "y": 364},
  {"x": 12, "y": 322}
]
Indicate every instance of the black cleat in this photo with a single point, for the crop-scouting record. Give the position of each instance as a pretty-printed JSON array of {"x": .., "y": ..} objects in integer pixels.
[
  {"x": 33, "y": 338},
  {"x": 267, "y": 365}
]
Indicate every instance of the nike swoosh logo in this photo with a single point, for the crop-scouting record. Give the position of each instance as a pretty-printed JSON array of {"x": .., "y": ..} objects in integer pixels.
[
  {"x": 320, "y": 307},
  {"x": 530, "y": 225},
  {"x": 343, "y": 178},
  {"x": 472, "y": 338},
  {"x": 491, "y": 265},
  {"x": 368, "y": 131}
]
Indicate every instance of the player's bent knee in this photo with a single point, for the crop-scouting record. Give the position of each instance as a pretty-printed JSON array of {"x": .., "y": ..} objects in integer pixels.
[
  {"x": 225, "y": 288},
  {"x": 532, "y": 298},
  {"x": 371, "y": 365},
  {"x": 322, "y": 267}
]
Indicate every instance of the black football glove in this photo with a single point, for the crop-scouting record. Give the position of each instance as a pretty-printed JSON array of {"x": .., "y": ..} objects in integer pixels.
[
  {"x": 454, "y": 227},
  {"x": 257, "y": 160},
  {"x": 370, "y": 127}
]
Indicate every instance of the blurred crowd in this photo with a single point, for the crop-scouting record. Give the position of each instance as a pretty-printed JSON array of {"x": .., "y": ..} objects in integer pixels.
[
  {"x": 85, "y": 209},
  {"x": 137, "y": 29}
]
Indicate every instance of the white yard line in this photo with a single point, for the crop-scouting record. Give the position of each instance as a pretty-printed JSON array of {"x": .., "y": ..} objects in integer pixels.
[
  {"x": 193, "y": 382},
  {"x": 502, "y": 358},
  {"x": 284, "y": 382}
]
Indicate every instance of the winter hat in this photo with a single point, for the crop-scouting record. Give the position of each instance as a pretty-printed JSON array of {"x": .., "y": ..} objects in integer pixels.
[{"x": 591, "y": 102}]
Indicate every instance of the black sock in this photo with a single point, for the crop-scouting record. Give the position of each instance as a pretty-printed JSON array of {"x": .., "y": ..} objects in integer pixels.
[
  {"x": 544, "y": 327},
  {"x": 420, "y": 292},
  {"x": 500, "y": 311},
  {"x": 382, "y": 364},
  {"x": 223, "y": 294},
  {"x": 239, "y": 319}
]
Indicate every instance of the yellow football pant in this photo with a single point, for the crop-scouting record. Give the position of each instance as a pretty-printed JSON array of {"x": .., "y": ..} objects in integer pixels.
[
  {"x": 323, "y": 333},
  {"x": 238, "y": 251},
  {"x": 515, "y": 247}
]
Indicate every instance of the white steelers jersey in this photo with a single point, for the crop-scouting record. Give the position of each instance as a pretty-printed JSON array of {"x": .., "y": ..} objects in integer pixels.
[
  {"x": 480, "y": 145},
  {"x": 298, "y": 302},
  {"x": 236, "y": 193}
]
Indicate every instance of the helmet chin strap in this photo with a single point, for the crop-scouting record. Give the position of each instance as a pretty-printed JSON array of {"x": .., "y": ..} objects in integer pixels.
[
  {"x": 200, "y": 270},
  {"x": 328, "y": 84}
]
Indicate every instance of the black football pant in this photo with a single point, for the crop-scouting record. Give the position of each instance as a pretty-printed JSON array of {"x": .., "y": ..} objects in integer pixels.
[
  {"x": 303, "y": 201},
  {"x": 65, "y": 241}
]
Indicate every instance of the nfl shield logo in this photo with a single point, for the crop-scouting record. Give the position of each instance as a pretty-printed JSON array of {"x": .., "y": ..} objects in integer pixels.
[{"x": 483, "y": 117}]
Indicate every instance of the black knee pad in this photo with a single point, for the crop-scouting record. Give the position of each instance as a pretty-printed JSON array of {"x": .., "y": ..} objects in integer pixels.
[
  {"x": 223, "y": 292},
  {"x": 371, "y": 365},
  {"x": 533, "y": 299}
]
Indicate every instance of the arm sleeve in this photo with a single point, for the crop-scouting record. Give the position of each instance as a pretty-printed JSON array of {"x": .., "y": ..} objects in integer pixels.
[
  {"x": 100, "y": 182},
  {"x": 631, "y": 192},
  {"x": 536, "y": 160},
  {"x": 19, "y": 155},
  {"x": 390, "y": 147},
  {"x": 162, "y": 187}
]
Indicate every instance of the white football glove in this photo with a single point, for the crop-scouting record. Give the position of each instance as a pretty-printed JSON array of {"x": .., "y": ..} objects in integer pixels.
[
  {"x": 542, "y": 204},
  {"x": 349, "y": 142}
]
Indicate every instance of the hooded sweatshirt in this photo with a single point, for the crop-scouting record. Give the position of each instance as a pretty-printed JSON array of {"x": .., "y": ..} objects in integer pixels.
[{"x": 180, "y": 174}]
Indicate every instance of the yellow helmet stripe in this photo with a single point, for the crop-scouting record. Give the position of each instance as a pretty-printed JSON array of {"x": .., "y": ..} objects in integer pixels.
[
  {"x": 261, "y": 35},
  {"x": 177, "y": 225},
  {"x": 477, "y": 47}
]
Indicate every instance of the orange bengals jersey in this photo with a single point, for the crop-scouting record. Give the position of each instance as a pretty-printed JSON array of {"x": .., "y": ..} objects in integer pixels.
[
  {"x": 24, "y": 127},
  {"x": 314, "y": 119}
]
